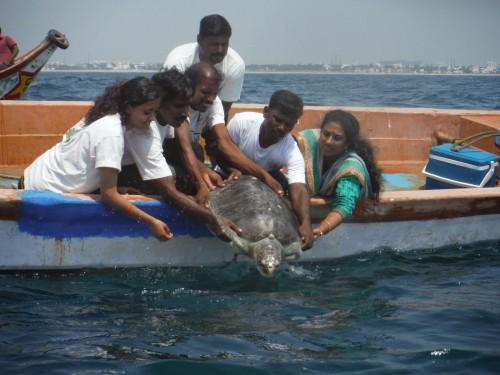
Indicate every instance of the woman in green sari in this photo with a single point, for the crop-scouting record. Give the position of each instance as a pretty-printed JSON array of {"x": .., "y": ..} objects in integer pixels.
[{"x": 340, "y": 165}]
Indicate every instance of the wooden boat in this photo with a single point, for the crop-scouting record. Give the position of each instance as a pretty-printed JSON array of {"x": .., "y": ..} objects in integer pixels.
[
  {"x": 53, "y": 231},
  {"x": 15, "y": 79}
]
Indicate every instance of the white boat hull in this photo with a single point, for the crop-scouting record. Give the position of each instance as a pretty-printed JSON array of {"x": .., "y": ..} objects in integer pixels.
[
  {"x": 354, "y": 238},
  {"x": 21, "y": 249}
]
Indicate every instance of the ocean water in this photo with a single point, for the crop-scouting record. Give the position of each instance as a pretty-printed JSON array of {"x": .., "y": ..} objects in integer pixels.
[
  {"x": 385, "y": 312},
  {"x": 450, "y": 91}
]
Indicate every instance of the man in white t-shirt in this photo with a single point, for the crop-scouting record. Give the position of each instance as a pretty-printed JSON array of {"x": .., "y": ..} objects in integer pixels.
[
  {"x": 266, "y": 142},
  {"x": 144, "y": 164},
  {"x": 206, "y": 109},
  {"x": 181, "y": 145},
  {"x": 213, "y": 47}
]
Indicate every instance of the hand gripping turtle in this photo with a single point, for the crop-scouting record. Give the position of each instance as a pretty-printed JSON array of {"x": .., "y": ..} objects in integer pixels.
[{"x": 269, "y": 226}]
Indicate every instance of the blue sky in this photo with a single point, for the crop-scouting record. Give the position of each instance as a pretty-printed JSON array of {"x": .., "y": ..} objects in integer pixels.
[{"x": 266, "y": 31}]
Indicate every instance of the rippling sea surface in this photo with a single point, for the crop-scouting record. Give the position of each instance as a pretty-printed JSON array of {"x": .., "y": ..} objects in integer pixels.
[
  {"x": 386, "y": 312},
  {"x": 448, "y": 91}
]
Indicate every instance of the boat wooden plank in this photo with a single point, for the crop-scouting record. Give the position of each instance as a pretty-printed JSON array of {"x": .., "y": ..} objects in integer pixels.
[{"x": 492, "y": 121}]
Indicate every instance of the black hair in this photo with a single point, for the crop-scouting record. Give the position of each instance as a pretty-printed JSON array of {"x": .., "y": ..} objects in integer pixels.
[
  {"x": 214, "y": 25},
  {"x": 197, "y": 72},
  {"x": 174, "y": 84},
  {"x": 118, "y": 97},
  {"x": 357, "y": 143},
  {"x": 287, "y": 103}
]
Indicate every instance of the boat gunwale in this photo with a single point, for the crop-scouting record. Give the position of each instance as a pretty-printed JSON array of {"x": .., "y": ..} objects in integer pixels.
[
  {"x": 391, "y": 206},
  {"x": 239, "y": 106}
]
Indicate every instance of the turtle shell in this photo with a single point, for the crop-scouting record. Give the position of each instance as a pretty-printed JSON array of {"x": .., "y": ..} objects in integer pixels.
[{"x": 259, "y": 212}]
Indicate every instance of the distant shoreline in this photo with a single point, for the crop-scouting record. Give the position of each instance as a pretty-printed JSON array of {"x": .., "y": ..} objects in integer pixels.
[
  {"x": 304, "y": 72},
  {"x": 374, "y": 73}
]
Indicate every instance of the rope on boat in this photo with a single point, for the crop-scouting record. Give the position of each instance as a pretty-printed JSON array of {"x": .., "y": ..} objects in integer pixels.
[
  {"x": 460, "y": 144},
  {"x": 10, "y": 177}
]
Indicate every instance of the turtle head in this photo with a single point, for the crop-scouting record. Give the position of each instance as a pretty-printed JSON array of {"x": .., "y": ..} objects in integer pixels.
[{"x": 267, "y": 255}]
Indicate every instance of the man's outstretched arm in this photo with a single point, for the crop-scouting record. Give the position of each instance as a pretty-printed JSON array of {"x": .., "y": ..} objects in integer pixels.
[{"x": 300, "y": 204}]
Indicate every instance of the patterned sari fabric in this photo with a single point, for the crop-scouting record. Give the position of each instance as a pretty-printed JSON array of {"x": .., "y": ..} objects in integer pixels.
[{"x": 345, "y": 181}]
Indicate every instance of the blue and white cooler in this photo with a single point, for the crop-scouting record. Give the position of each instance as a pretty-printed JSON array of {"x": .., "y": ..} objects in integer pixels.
[{"x": 466, "y": 168}]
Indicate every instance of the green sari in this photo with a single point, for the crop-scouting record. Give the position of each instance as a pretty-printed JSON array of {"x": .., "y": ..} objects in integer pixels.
[{"x": 345, "y": 181}]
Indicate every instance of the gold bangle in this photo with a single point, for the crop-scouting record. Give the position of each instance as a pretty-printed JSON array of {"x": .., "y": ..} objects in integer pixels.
[{"x": 328, "y": 223}]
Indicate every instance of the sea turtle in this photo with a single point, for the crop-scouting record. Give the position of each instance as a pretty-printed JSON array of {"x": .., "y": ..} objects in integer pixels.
[{"x": 269, "y": 226}]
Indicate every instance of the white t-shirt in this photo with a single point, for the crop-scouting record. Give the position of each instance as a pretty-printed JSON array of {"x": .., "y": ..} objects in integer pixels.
[
  {"x": 212, "y": 116},
  {"x": 144, "y": 148},
  {"x": 244, "y": 129},
  {"x": 71, "y": 166},
  {"x": 232, "y": 68}
]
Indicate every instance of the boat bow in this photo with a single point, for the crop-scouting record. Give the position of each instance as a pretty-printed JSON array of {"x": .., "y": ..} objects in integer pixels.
[{"x": 15, "y": 79}]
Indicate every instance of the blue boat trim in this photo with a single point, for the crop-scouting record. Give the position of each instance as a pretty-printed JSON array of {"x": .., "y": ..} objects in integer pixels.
[{"x": 57, "y": 216}]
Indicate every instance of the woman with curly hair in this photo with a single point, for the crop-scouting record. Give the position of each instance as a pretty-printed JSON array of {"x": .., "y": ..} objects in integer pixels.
[
  {"x": 339, "y": 165},
  {"x": 90, "y": 156}
]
